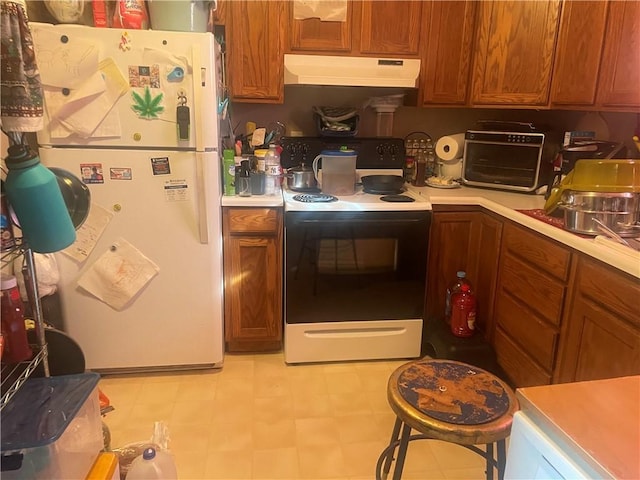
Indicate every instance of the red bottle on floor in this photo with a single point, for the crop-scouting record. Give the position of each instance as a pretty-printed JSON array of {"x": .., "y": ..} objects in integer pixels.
[
  {"x": 463, "y": 312},
  {"x": 16, "y": 347}
]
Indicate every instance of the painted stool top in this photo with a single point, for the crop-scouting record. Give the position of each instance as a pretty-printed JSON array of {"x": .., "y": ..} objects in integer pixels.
[{"x": 453, "y": 392}]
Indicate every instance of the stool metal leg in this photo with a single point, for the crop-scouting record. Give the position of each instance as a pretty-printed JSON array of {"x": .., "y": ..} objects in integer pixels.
[
  {"x": 489, "y": 460},
  {"x": 395, "y": 436},
  {"x": 402, "y": 452},
  {"x": 502, "y": 458}
]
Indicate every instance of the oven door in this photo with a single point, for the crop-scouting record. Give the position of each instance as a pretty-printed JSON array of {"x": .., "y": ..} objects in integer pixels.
[{"x": 351, "y": 276}]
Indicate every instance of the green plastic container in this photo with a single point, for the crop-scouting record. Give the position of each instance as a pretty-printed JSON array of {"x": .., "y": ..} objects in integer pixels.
[{"x": 179, "y": 15}]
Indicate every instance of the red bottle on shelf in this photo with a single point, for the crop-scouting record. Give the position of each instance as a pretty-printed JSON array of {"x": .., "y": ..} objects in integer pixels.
[
  {"x": 16, "y": 348},
  {"x": 463, "y": 312}
]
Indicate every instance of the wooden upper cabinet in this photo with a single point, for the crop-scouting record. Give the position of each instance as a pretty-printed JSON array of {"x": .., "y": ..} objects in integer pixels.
[
  {"x": 315, "y": 35},
  {"x": 372, "y": 27},
  {"x": 577, "y": 62},
  {"x": 256, "y": 50},
  {"x": 390, "y": 27},
  {"x": 515, "y": 43},
  {"x": 620, "y": 69},
  {"x": 446, "y": 61}
]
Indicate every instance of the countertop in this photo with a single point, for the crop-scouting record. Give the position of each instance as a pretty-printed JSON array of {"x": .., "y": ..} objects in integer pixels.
[
  {"x": 506, "y": 204},
  {"x": 503, "y": 203},
  {"x": 599, "y": 420}
]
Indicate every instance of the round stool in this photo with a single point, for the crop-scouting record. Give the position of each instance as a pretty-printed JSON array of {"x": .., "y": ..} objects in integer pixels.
[{"x": 449, "y": 401}]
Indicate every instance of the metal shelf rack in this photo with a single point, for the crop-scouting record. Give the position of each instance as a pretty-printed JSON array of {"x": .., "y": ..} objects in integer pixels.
[{"x": 13, "y": 376}]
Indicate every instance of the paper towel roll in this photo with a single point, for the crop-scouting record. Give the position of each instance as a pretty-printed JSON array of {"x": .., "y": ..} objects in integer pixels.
[{"x": 450, "y": 147}]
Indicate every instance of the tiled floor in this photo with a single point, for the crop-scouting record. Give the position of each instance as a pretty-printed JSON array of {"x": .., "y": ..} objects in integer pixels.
[{"x": 258, "y": 418}]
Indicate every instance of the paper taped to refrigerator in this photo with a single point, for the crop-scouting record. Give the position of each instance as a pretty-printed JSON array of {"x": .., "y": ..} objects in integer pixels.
[
  {"x": 87, "y": 110},
  {"x": 118, "y": 275},
  {"x": 63, "y": 65},
  {"x": 89, "y": 233}
]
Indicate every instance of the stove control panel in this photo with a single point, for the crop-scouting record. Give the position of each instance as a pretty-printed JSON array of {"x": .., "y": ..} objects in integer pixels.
[{"x": 373, "y": 152}]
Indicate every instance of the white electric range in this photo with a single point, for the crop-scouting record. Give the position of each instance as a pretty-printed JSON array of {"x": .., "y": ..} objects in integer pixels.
[{"x": 355, "y": 267}]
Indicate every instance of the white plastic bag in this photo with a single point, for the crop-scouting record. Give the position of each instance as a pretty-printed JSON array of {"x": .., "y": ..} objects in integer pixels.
[{"x": 46, "y": 271}]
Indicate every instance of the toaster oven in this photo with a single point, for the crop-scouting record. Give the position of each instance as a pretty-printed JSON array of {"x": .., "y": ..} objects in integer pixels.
[{"x": 516, "y": 161}]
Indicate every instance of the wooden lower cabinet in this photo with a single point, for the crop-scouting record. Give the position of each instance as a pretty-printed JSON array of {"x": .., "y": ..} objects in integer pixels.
[
  {"x": 252, "y": 278},
  {"x": 463, "y": 238},
  {"x": 551, "y": 313},
  {"x": 532, "y": 280},
  {"x": 601, "y": 334}
]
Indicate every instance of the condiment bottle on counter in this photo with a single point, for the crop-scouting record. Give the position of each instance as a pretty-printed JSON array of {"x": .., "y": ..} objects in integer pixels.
[
  {"x": 243, "y": 179},
  {"x": 409, "y": 169},
  {"x": 273, "y": 171},
  {"x": 16, "y": 347},
  {"x": 421, "y": 168},
  {"x": 463, "y": 312}
]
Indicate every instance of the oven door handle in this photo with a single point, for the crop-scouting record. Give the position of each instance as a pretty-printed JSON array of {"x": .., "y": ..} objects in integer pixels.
[{"x": 360, "y": 221}]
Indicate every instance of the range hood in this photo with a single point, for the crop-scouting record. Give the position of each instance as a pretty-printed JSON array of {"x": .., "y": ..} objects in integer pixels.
[{"x": 350, "y": 71}]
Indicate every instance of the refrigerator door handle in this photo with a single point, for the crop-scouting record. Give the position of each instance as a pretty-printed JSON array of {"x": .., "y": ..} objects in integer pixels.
[
  {"x": 198, "y": 83},
  {"x": 203, "y": 224},
  {"x": 198, "y": 79}
]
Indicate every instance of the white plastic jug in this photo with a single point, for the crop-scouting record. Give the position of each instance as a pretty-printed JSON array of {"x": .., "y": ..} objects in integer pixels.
[
  {"x": 338, "y": 171},
  {"x": 153, "y": 465}
]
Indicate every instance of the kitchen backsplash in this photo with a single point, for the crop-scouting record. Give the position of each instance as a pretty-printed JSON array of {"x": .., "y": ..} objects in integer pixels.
[{"x": 296, "y": 114}]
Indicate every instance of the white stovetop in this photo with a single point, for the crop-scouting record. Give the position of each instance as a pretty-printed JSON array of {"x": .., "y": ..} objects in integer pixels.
[{"x": 360, "y": 201}]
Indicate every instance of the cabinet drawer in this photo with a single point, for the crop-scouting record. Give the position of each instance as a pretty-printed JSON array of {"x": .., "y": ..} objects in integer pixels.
[
  {"x": 536, "y": 337},
  {"x": 535, "y": 249},
  {"x": 522, "y": 371},
  {"x": 247, "y": 220},
  {"x": 535, "y": 291},
  {"x": 610, "y": 288}
]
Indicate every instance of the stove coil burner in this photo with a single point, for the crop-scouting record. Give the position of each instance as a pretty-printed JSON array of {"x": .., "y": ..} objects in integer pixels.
[{"x": 315, "y": 198}]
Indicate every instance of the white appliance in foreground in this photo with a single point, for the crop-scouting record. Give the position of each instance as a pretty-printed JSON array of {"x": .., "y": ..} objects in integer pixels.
[
  {"x": 534, "y": 455},
  {"x": 113, "y": 99}
]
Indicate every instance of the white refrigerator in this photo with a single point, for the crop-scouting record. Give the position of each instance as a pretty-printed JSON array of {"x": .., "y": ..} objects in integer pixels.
[{"x": 133, "y": 113}]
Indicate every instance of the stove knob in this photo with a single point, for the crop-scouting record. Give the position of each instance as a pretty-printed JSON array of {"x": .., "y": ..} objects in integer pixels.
[
  {"x": 380, "y": 149},
  {"x": 393, "y": 150}
]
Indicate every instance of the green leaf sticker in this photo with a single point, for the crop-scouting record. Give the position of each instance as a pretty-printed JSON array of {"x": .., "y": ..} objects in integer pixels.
[{"x": 147, "y": 106}]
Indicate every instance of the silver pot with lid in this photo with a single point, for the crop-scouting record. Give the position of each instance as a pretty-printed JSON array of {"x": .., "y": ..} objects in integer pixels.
[
  {"x": 617, "y": 210},
  {"x": 301, "y": 178}
]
